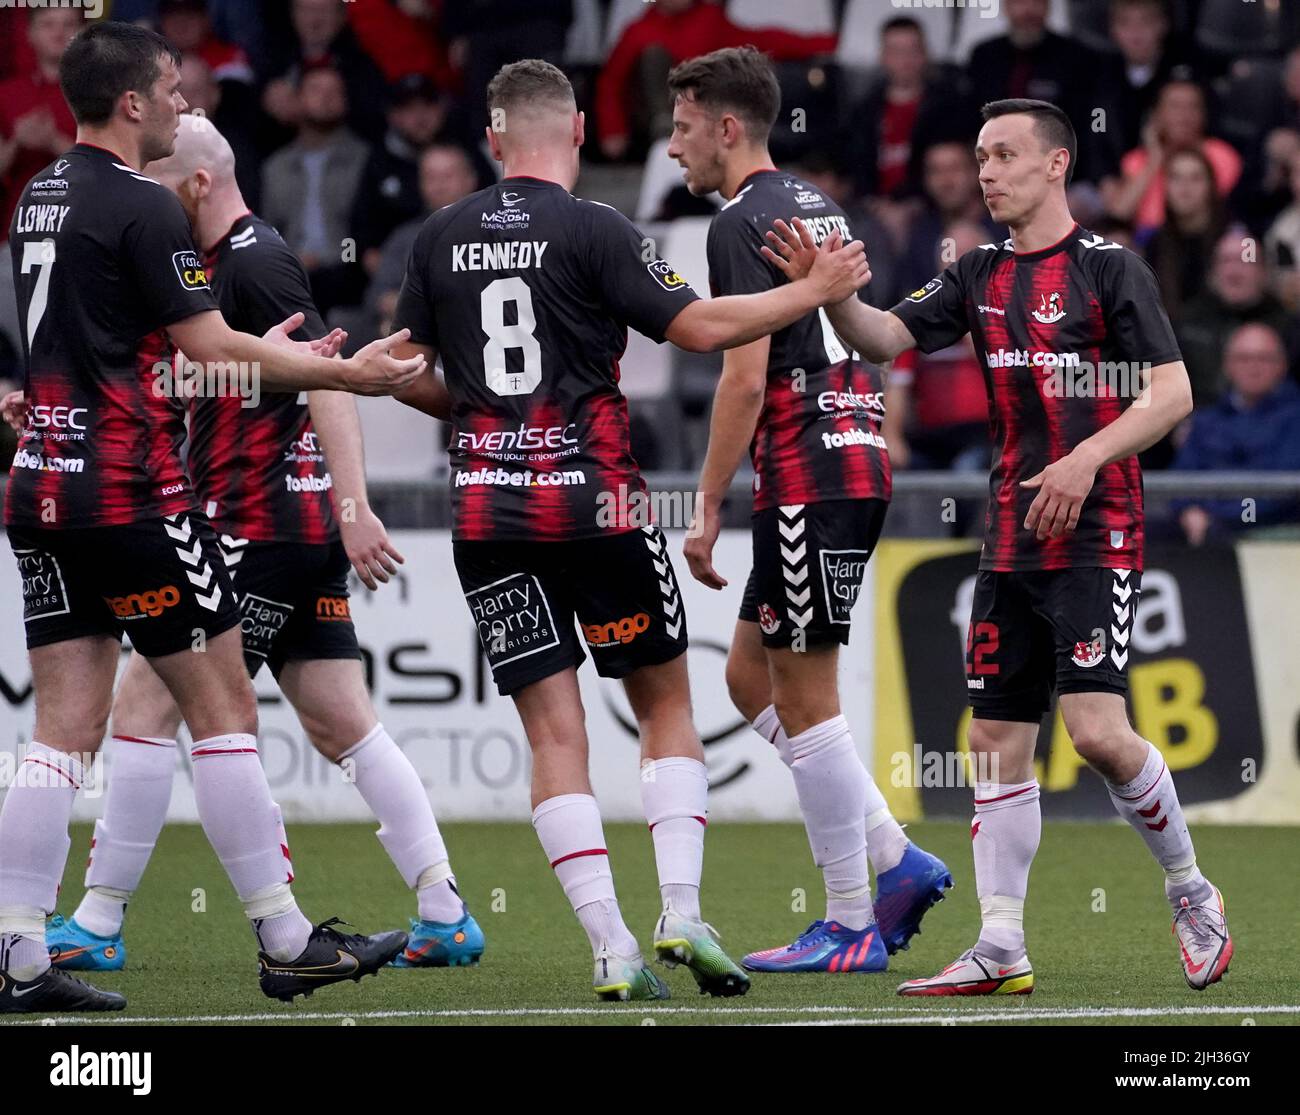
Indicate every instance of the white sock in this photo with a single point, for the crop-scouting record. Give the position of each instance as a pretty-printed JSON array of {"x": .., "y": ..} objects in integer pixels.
[
  {"x": 280, "y": 927},
  {"x": 675, "y": 796},
  {"x": 102, "y": 910},
  {"x": 1150, "y": 804},
  {"x": 408, "y": 829},
  {"x": 886, "y": 841},
  {"x": 573, "y": 838},
  {"x": 831, "y": 784},
  {"x": 768, "y": 725},
  {"x": 240, "y": 821},
  {"x": 1004, "y": 836},
  {"x": 34, "y": 846},
  {"x": 141, "y": 770}
]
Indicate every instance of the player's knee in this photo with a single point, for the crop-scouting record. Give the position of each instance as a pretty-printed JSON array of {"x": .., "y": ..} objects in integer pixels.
[
  {"x": 1097, "y": 742},
  {"x": 982, "y": 737},
  {"x": 748, "y": 688}
]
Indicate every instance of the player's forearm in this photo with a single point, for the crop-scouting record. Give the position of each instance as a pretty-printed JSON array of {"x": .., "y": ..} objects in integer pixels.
[
  {"x": 877, "y": 335},
  {"x": 738, "y": 319},
  {"x": 279, "y": 368},
  {"x": 1165, "y": 402},
  {"x": 338, "y": 426},
  {"x": 737, "y": 404},
  {"x": 427, "y": 394}
]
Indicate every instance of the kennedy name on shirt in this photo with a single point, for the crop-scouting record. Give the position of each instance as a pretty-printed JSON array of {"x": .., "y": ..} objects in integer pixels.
[{"x": 507, "y": 256}]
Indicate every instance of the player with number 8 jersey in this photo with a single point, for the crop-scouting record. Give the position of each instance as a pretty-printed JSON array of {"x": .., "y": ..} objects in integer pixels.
[{"x": 527, "y": 292}]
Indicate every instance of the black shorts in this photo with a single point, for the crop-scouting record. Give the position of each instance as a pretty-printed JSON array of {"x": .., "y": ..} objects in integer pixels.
[
  {"x": 524, "y": 597},
  {"x": 809, "y": 561},
  {"x": 161, "y": 581},
  {"x": 293, "y": 601},
  {"x": 1031, "y": 633}
]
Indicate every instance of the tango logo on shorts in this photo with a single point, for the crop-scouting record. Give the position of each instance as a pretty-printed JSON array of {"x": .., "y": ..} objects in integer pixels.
[
  {"x": 334, "y": 609},
  {"x": 767, "y": 619},
  {"x": 620, "y": 631},
  {"x": 140, "y": 604}
]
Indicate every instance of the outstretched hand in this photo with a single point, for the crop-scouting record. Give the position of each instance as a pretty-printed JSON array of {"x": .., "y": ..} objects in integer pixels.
[{"x": 839, "y": 269}]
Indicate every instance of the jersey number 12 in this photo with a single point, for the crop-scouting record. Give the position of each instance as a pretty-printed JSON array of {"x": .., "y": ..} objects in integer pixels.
[{"x": 502, "y": 337}]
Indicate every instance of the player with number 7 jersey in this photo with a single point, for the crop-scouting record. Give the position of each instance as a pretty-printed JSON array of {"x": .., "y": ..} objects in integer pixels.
[{"x": 527, "y": 293}]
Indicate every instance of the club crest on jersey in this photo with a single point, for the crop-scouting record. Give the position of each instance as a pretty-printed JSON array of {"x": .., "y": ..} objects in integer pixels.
[
  {"x": 767, "y": 619},
  {"x": 1049, "y": 309},
  {"x": 922, "y": 293},
  {"x": 665, "y": 276},
  {"x": 1088, "y": 653},
  {"x": 190, "y": 271}
]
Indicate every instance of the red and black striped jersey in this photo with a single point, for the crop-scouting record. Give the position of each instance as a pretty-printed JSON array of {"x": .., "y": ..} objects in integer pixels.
[
  {"x": 256, "y": 462},
  {"x": 818, "y": 435},
  {"x": 527, "y": 292},
  {"x": 1064, "y": 335},
  {"x": 103, "y": 262}
]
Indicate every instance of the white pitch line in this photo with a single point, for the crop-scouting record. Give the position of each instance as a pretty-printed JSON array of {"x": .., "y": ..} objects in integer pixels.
[
  {"x": 852, "y": 1015},
  {"x": 1037, "y": 1015}
]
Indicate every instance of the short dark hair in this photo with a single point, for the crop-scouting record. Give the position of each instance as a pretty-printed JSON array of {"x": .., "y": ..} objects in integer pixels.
[
  {"x": 1162, "y": 6},
  {"x": 528, "y": 80},
  {"x": 106, "y": 60},
  {"x": 1051, "y": 124},
  {"x": 901, "y": 23},
  {"x": 737, "y": 79}
]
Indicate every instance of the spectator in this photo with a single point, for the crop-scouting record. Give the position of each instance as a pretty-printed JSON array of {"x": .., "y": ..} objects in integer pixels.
[
  {"x": 1265, "y": 187},
  {"x": 231, "y": 106},
  {"x": 634, "y": 80},
  {"x": 1177, "y": 124},
  {"x": 185, "y": 24},
  {"x": 390, "y": 188},
  {"x": 907, "y": 110},
  {"x": 1237, "y": 294},
  {"x": 1031, "y": 61},
  {"x": 446, "y": 174},
  {"x": 1254, "y": 426},
  {"x": 36, "y": 126},
  {"x": 402, "y": 36},
  {"x": 829, "y": 176},
  {"x": 1146, "y": 57},
  {"x": 1282, "y": 245},
  {"x": 1180, "y": 252},
  {"x": 936, "y": 405},
  {"x": 310, "y": 187},
  {"x": 951, "y": 194},
  {"x": 320, "y": 37},
  {"x": 486, "y": 34}
]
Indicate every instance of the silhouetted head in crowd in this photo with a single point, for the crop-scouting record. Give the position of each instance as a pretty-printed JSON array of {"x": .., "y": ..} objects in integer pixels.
[
  {"x": 446, "y": 175},
  {"x": 1254, "y": 362},
  {"x": 322, "y": 98},
  {"x": 317, "y": 24},
  {"x": 1139, "y": 29},
  {"x": 1236, "y": 276}
]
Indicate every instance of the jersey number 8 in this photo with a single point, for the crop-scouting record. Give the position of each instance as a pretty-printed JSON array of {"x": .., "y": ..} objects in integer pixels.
[{"x": 502, "y": 337}]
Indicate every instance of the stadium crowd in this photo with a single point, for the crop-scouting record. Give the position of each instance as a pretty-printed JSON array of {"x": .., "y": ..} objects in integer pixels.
[{"x": 351, "y": 121}]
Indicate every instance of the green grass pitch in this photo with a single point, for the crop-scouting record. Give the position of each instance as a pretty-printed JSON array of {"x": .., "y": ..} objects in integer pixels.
[{"x": 1099, "y": 932}]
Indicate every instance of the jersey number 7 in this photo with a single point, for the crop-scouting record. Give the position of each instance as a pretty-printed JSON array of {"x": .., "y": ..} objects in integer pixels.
[
  {"x": 38, "y": 254},
  {"x": 502, "y": 337}
]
